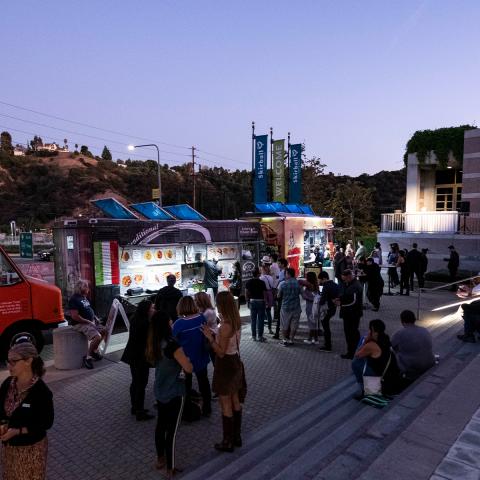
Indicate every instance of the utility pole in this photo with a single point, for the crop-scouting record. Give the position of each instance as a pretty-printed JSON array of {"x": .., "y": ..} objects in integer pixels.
[{"x": 193, "y": 178}]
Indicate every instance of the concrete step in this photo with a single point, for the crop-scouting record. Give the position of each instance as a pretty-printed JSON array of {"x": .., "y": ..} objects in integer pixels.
[{"x": 332, "y": 436}]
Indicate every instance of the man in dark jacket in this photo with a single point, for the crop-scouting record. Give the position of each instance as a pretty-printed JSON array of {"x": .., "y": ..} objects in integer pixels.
[
  {"x": 452, "y": 265},
  {"x": 351, "y": 310},
  {"x": 210, "y": 280},
  {"x": 414, "y": 263},
  {"x": 168, "y": 298},
  {"x": 330, "y": 291}
]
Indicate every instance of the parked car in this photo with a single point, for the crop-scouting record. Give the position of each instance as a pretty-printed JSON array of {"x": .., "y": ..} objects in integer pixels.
[{"x": 46, "y": 255}]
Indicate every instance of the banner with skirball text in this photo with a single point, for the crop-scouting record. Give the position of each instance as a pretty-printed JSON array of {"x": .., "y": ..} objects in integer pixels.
[
  {"x": 278, "y": 171},
  {"x": 260, "y": 174},
  {"x": 295, "y": 187}
]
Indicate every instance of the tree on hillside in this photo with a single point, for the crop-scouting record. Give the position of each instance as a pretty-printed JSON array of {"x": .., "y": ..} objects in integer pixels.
[
  {"x": 85, "y": 151},
  {"x": 36, "y": 142},
  {"x": 76, "y": 147},
  {"x": 351, "y": 206},
  {"x": 106, "y": 155},
  {"x": 6, "y": 143}
]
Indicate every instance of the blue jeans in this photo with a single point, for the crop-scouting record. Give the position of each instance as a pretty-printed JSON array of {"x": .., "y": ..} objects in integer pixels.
[
  {"x": 257, "y": 316},
  {"x": 358, "y": 364}
]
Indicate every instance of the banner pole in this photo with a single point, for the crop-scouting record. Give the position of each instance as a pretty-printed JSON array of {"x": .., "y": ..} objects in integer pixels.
[
  {"x": 271, "y": 162},
  {"x": 288, "y": 166},
  {"x": 253, "y": 166}
]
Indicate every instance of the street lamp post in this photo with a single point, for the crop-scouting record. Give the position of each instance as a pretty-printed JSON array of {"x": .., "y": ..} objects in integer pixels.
[{"x": 133, "y": 147}]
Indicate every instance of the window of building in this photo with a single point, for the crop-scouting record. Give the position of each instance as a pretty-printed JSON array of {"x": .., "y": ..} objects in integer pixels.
[{"x": 448, "y": 189}]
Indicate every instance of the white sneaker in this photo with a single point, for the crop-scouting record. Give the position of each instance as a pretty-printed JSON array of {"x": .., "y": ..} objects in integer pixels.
[{"x": 308, "y": 342}]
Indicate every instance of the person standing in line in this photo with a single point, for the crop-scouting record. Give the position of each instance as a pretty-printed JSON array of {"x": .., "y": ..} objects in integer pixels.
[
  {"x": 168, "y": 297},
  {"x": 330, "y": 292},
  {"x": 203, "y": 302},
  {"x": 187, "y": 332},
  {"x": 210, "y": 279},
  {"x": 267, "y": 278},
  {"x": 134, "y": 356},
  {"x": 255, "y": 294},
  {"x": 289, "y": 293},
  {"x": 168, "y": 359},
  {"x": 414, "y": 260},
  {"x": 84, "y": 320},
  {"x": 361, "y": 251},
  {"x": 228, "y": 372},
  {"x": 309, "y": 292},
  {"x": 282, "y": 266},
  {"x": 375, "y": 283},
  {"x": 452, "y": 265},
  {"x": 339, "y": 263},
  {"x": 26, "y": 410},
  {"x": 351, "y": 311},
  {"x": 423, "y": 267},
  {"x": 392, "y": 260},
  {"x": 377, "y": 254},
  {"x": 404, "y": 273}
]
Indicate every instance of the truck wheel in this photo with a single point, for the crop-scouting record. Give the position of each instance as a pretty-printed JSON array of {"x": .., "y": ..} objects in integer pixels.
[{"x": 9, "y": 334}]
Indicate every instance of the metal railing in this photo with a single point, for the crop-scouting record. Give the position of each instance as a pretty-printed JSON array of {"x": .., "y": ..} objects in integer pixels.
[{"x": 430, "y": 222}]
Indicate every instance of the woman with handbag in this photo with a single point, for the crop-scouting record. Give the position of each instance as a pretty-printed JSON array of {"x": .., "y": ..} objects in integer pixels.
[
  {"x": 229, "y": 374},
  {"x": 168, "y": 358},
  {"x": 26, "y": 412},
  {"x": 374, "y": 363}
]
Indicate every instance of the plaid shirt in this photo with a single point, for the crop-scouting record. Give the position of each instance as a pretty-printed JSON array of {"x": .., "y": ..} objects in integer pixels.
[{"x": 289, "y": 291}]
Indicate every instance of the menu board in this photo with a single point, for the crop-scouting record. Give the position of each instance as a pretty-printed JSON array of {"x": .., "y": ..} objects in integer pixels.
[
  {"x": 222, "y": 252},
  {"x": 148, "y": 267}
]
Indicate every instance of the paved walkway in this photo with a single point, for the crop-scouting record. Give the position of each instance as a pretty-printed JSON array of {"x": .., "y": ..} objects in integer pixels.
[{"x": 95, "y": 437}]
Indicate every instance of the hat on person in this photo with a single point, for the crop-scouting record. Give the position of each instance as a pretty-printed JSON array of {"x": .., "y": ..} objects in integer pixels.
[
  {"x": 451, "y": 247},
  {"x": 346, "y": 272},
  {"x": 266, "y": 259}
]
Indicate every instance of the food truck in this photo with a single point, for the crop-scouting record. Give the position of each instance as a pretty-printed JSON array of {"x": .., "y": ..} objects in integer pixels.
[
  {"x": 27, "y": 304},
  {"x": 292, "y": 231},
  {"x": 127, "y": 257}
]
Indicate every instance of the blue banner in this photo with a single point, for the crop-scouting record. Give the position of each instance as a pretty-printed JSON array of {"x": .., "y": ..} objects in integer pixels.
[
  {"x": 260, "y": 174},
  {"x": 295, "y": 188}
]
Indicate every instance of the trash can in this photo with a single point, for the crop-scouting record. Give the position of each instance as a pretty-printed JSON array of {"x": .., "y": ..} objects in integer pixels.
[{"x": 69, "y": 348}]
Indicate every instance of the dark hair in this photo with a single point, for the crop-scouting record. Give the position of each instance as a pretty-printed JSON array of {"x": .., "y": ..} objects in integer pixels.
[
  {"x": 324, "y": 275},
  {"x": 283, "y": 262},
  {"x": 142, "y": 309},
  {"x": 291, "y": 272},
  {"x": 312, "y": 280},
  {"x": 377, "y": 245},
  {"x": 407, "y": 316},
  {"x": 360, "y": 242},
  {"x": 38, "y": 367},
  {"x": 158, "y": 330},
  {"x": 274, "y": 257},
  {"x": 256, "y": 272},
  {"x": 378, "y": 326},
  {"x": 414, "y": 245},
  {"x": 237, "y": 266},
  {"x": 171, "y": 280}
]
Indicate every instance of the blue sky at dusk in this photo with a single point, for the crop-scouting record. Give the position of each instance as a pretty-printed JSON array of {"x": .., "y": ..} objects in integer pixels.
[{"x": 351, "y": 79}]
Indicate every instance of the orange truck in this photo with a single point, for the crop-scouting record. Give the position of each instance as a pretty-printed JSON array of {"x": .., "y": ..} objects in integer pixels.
[{"x": 26, "y": 305}]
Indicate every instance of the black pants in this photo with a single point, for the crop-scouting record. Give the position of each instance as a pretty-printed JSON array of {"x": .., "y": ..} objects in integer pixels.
[
  {"x": 373, "y": 294},
  {"x": 137, "y": 387},
  {"x": 327, "y": 333},
  {"x": 417, "y": 273},
  {"x": 276, "y": 316},
  {"x": 351, "y": 322},
  {"x": 203, "y": 386},
  {"x": 168, "y": 421},
  {"x": 404, "y": 283},
  {"x": 451, "y": 278}
]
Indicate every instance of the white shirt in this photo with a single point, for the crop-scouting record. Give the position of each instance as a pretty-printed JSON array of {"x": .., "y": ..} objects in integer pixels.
[{"x": 275, "y": 271}]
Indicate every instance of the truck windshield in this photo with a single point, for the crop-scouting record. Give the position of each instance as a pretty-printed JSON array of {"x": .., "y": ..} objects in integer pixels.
[{"x": 8, "y": 275}]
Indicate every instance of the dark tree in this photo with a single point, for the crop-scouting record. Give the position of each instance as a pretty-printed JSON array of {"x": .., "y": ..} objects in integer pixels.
[
  {"x": 6, "y": 143},
  {"x": 106, "y": 155}
]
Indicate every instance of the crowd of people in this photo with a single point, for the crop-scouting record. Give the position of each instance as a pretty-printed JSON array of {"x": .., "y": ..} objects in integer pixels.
[{"x": 180, "y": 336}]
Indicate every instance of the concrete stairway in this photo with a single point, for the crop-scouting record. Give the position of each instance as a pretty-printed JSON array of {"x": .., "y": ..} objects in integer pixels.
[{"x": 335, "y": 437}]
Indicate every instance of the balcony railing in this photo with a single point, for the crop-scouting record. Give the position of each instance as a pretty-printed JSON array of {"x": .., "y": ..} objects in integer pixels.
[{"x": 421, "y": 222}]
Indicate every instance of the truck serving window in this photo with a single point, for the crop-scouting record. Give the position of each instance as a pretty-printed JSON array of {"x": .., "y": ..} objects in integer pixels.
[{"x": 8, "y": 275}]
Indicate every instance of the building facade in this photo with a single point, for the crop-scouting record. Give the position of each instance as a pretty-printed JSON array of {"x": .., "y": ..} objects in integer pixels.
[{"x": 442, "y": 208}]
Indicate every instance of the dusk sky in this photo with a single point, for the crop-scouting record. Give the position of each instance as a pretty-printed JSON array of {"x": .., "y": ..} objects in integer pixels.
[{"x": 351, "y": 79}]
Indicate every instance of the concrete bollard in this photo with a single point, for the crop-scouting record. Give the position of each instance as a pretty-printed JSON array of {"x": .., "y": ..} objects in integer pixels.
[{"x": 69, "y": 348}]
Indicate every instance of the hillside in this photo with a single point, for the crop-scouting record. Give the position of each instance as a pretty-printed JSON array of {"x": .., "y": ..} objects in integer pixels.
[{"x": 36, "y": 191}]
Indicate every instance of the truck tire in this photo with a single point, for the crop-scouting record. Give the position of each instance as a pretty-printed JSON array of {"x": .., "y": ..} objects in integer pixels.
[{"x": 16, "y": 329}]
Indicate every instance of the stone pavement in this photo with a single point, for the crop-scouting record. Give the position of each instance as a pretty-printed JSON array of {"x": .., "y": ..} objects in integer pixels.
[{"x": 95, "y": 437}]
